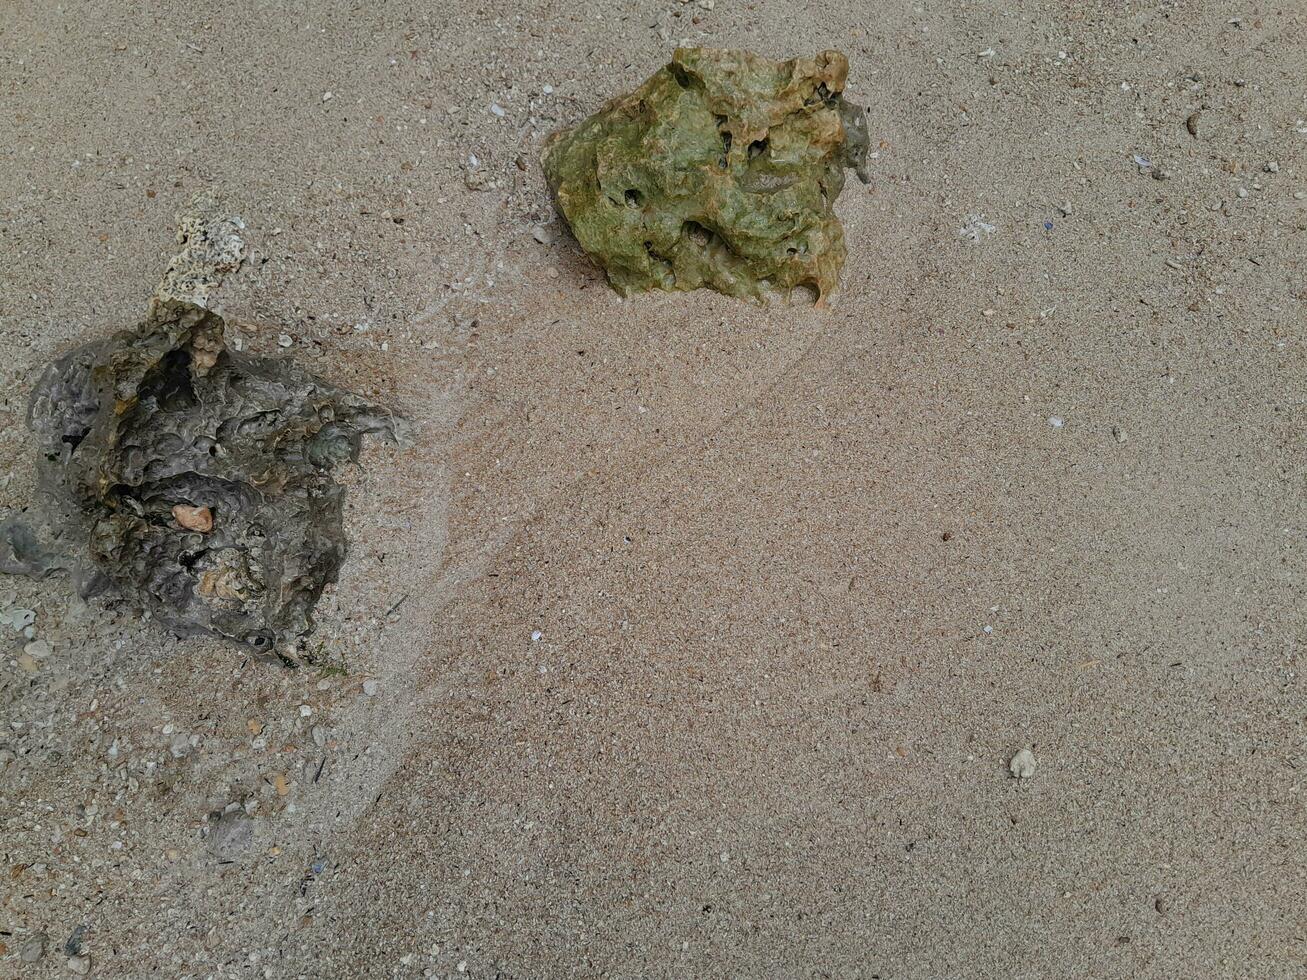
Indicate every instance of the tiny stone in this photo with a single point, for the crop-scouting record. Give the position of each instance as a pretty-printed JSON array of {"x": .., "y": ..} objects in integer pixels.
[
  {"x": 1299, "y": 195},
  {"x": 326, "y": 96},
  {"x": 1272, "y": 167},
  {"x": 1243, "y": 192},
  {"x": 193, "y": 518},
  {"x": 1161, "y": 904},
  {"x": 1056, "y": 421},
  {"x": 284, "y": 340},
  {"x": 81, "y": 965},
  {"x": 33, "y": 949},
  {"x": 543, "y": 235},
  {"x": 1022, "y": 765},
  {"x": 371, "y": 687},
  {"x": 1119, "y": 434},
  {"x": 19, "y": 619}
]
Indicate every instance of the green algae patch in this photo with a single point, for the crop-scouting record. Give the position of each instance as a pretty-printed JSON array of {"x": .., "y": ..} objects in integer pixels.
[{"x": 721, "y": 170}]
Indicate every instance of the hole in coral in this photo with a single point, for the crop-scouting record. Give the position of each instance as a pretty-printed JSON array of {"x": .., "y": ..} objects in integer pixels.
[
  {"x": 757, "y": 148},
  {"x": 805, "y": 294},
  {"x": 726, "y": 141},
  {"x": 682, "y": 77},
  {"x": 169, "y": 383},
  {"x": 696, "y": 233},
  {"x": 633, "y": 198}
]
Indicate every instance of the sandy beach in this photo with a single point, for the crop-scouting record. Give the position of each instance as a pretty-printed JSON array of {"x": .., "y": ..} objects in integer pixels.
[{"x": 691, "y": 637}]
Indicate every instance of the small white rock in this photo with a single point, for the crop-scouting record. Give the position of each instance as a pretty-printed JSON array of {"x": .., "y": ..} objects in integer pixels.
[
  {"x": 1056, "y": 421},
  {"x": 38, "y": 649},
  {"x": 536, "y": 636},
  {"x": 327, "y": 96},
  {"x": 284, "y": 340},
  {"x": 1022, "y": 765},
  {"x": 81, "y": 965},
  {"x": 17, "y": 618},
  {"x": 371, "y": 687},
  {"x": 543, "y": 234}
]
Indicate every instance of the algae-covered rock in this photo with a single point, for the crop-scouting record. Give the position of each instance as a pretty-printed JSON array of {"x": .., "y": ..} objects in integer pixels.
[
  {"x": 721, "y": 170},
  {"x": 191, "y": 478}
]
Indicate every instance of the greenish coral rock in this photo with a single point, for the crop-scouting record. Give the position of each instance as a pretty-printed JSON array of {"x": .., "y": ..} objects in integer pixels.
[{"x": 721, "y": 170}]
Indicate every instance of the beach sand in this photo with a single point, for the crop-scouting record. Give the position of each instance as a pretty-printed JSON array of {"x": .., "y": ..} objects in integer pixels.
[{"x": 699, "y": 634}]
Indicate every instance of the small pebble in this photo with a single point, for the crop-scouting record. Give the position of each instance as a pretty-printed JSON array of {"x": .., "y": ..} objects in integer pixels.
[
  {"x": 1243, "y": 192},
  {"x": 1300, "y": 195},
  {"x": 1119, "y": 435},
  {"x": 38, "y": 649},
  {"x": 1056, "y": 421},
  {"x": 193, "y": 518},
  {"x": 371, "y": 687},
  {"x": 543, "y": 234},
  {"x": 1022, "y": 765},
  {"x": 81, "y": 965},
  {"x": 284, "y": 340},
  {"x": 327, "y": 96},
  {"x": 33, "y": 949},
  {"x": 17, "y": 618}
]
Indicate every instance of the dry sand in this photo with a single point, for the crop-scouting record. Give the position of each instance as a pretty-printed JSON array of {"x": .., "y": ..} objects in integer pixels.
[{"x": 801, "y": 581}]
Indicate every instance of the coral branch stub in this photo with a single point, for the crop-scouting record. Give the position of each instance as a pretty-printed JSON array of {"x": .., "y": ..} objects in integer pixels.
[
  {"x": 721, "y": 170},
  {"x": 193, "y": 479}
]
